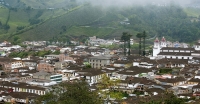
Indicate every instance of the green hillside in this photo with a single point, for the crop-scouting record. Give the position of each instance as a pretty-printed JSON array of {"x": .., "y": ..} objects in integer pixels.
[
  {"x": 193, "y": 12},
  {"x": 41, "y": 4},
  {"x": 21, "y": 17},
  {"x": 29, "y": 23}
]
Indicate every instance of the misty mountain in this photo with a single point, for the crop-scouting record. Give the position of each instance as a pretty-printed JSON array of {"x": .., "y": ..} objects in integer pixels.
[
  {"x": 45, "y": 4},
  {"x": 41, "y": 20}
]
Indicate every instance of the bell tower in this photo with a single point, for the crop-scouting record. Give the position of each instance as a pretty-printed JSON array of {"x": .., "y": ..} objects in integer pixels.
[
  {"x": 156, "y": 47},
  {"x": 163, "y": 42}
]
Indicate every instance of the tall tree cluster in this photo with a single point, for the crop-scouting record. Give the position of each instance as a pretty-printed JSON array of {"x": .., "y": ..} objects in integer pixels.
[
  {"x": 142, "y": 37},
  {"x": 126, "y": 39}
]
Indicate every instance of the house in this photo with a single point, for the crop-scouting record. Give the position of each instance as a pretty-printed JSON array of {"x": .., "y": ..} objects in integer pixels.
[
  {"x": 67, "y": 49},
  {"x": 122, "y": 63},
  {"x": 47, "y": 76},
  {"x": 181, "y": 90},
  {"x": 173, "y": 81},
  {"x": 197, "y": 46},
  {"x": 66, "y": 57},
  {"x": 171, "y": 63},
  {"x": 23, "y": 87},
  {"x": 144, "y": 63},
  {"x": 44, "y": 66},
  {"x": 8, "y": 63},
  {"x": 193, "y": 81},
  {"x": 92, "y": 76},
  {"x": 37, "y": 48},
  {"x": 34, "y": 43},
  {"x": 19, "y": 97},
  {"x": 31, "y": 64},
  {"x": 185, "y": 96},
  {"x": 111, "y": 72},
  {"x": 196, "y": 88},
  {"x": 51, "y": 57},
  {"x": 135, "y": 83},
  {"x": 134, "y": 71},
  {"x": 68, "y": 74},
  {"x": 61, "y": 65}
]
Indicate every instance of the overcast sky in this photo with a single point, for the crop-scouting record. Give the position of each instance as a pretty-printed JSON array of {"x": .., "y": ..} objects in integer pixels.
[{"x": 137, "y": 2}]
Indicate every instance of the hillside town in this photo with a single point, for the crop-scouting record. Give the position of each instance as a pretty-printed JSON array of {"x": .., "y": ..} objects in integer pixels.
[{"x": 171, "y": 67}]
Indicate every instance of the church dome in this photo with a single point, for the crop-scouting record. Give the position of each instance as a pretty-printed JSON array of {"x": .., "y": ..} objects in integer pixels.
[
  {"x": 156, "y": 40},
  {"x": 163, "y": 39}
]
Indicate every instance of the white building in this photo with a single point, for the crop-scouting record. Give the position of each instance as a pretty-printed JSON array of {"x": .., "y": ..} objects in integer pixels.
[
  {"x": 158, "y": 45},
  {"x": 197, "y": 46},
  {"x": 162, "y": 50}
]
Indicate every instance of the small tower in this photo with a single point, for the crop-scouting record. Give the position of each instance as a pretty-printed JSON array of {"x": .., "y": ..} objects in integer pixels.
[
  {"x": 156, "y": 43},
  {"x": 156, "y": 48},
  {"x": 197, "y": 46},
  {"x": 163, "y": 42}
]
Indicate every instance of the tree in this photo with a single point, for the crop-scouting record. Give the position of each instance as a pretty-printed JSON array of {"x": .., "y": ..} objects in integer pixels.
[
  {"x": 169, "y": 98},
  {"x": 126, "y": 39},
  {"x": 106, "y": 86},
  {"x": 123, "y": 40},
  {"x": 144, "y": 38},
  {"x": 139, "y": 35},
  {"x": 70, "y": 93},
  {"x": 106, "y": 83}
]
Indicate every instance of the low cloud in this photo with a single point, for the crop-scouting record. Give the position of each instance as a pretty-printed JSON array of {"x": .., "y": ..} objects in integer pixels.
[{"x": 122, "y": 3}]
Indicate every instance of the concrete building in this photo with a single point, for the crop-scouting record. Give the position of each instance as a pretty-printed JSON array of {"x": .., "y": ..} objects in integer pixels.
[{"x": 101, "y": 61}]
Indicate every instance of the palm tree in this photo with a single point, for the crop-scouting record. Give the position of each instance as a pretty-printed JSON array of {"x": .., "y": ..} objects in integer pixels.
[
  {"x": 139, "y": 35},
  {"x": 144, "y": 38}
]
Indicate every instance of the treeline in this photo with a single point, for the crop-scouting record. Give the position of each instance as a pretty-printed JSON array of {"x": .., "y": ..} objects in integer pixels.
[
  {"x": 170, "y": 21},
  {"x": 4, "y": 26},
  {"x": 25, "y": 54}
]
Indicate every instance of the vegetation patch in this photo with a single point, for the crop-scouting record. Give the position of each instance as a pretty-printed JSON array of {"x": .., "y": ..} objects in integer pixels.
[
  {"x": 118, "y": 95},
  {"x": 165, "y": 71}
]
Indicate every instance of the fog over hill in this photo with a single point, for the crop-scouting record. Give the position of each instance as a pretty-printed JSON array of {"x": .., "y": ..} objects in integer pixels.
[
  {"x": 136, "y": 2},
  {"x": 63, "y": 19},
  {"x": 40, "y": 4},
  {"x": 66, "y": 4}
]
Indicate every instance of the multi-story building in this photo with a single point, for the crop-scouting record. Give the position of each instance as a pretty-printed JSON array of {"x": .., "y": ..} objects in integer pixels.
[
  {"x": 101, "y": 61},
  {"x": 45, "y": 67}
]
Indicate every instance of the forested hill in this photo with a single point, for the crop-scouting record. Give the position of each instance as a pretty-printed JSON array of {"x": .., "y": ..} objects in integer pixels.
[{"x": 173, "y": 22}]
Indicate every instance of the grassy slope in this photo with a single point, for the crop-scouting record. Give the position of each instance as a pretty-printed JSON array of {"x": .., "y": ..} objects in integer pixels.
[
  {"x": 101, "y": 23},
  {"x": 21, "y": 17},
  {"x": 192, "y": 12},
  {"x": 53, "y": 26},
  {"x": 4, "y": 15},
  {"x": 89, "y": 31},
  {"x": 46, "y": 3}
]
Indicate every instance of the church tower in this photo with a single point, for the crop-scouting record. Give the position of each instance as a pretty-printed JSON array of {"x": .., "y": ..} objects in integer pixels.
[
  {"x": 156, "y": 47},
  {"x": 163, "y": 42}
]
